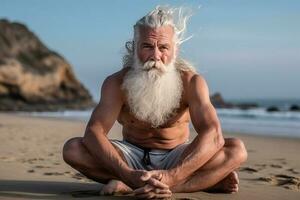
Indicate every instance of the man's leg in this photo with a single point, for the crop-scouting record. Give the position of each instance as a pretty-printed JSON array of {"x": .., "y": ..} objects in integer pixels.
[
  {"x": 78, "y": 157},
  {"x": 218, "y": 173}
]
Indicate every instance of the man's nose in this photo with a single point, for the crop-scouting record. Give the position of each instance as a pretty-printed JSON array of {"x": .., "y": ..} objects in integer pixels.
[{"x": 156, "y": 54}]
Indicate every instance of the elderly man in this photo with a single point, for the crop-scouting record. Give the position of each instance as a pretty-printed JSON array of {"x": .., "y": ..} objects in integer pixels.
[{"x": 155, "y": 97}]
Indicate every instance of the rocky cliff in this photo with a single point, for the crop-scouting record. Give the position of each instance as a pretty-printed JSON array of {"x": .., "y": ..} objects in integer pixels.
[{"x": 34, "y": 78}]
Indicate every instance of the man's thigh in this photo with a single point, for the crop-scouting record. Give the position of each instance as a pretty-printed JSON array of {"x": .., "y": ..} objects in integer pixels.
[
  {"x": 230, "y": 145},
  {"x": 131, "y": 154},
  {"x": 120, "y": 152}
]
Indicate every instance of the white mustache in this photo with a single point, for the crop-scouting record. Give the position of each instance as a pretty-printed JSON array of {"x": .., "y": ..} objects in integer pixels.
[{"x": 158, "y": 65}]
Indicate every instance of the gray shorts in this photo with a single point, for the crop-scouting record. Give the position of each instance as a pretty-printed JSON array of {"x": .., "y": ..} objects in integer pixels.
[{"x": 149, "y": 159}]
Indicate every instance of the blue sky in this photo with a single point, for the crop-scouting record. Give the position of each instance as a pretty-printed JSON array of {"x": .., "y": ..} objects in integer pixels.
[{"x": 244, "y": 49}]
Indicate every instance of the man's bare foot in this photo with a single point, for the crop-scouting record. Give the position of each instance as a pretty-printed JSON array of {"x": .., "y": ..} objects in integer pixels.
[
  {"x": 115, "y": 186},
  {"x": 230, "y": 184}
]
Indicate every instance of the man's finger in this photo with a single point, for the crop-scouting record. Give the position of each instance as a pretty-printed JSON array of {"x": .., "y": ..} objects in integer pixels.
[
  {"x": 145, "y": 176},
  {"x": 156, "y": 183},
  {"x": 162, "y": 191},
  {"x": 145, "y": 189},
  {"x": 156, "y": 175}
]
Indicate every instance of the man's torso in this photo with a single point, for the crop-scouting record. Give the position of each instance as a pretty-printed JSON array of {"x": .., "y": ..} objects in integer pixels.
[{"x": 167, "y": 136}]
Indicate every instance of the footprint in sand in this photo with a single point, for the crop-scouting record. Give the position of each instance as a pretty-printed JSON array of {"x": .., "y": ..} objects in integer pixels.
[
  {"x": 261, "y": 165},
  {"x": 42, "y": 167},
  {"x": 30, "y": 160},
  {"x": 78, "y": 176},
  {"x": 7, "y": 158},
  {"x": 293, "y": 171},
  {"x": 281, "y": 160},
  {"x": 53, "y": 173},
  {"x": 282, "y": 180},
  {"x": 276, "y": 166},
  {"x": 249, "y": 169}
]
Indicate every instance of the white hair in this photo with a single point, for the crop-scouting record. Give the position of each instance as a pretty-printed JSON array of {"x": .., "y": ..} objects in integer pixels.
[{"x": 162, "y": 16}]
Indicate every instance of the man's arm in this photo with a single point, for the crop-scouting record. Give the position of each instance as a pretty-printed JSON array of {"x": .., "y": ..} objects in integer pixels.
[
  {"x": 96, "y": 142},
  {"x": 101, "y": 121},
  {"x": 205, "y": 121}
]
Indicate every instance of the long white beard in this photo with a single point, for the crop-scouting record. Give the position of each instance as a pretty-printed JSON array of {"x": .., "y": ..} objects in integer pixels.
[{"x": 153, "y": 91}]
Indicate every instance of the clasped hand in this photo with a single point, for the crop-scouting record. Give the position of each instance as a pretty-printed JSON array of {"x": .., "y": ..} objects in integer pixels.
[{"x": 151, "y": 184}]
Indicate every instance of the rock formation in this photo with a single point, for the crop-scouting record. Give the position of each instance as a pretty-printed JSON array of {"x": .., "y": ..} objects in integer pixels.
[
  {"x": 218, "y": 101},
  {"x": 294, "y": 107},
  {"x": 273, "y": 109},
  {"x": 34, "y": 78}
]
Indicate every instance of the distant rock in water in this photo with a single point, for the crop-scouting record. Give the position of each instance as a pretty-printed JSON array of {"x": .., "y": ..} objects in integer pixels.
[
  {"x": 295, "y": 108},
  {"x": 218, "y": 101},
  {"x": 34, "y": 78},
  {"x": 273, "y": 109}
]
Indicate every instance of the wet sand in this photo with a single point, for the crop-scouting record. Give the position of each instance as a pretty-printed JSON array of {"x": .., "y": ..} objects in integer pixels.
[{"x": 31, "y": 165}]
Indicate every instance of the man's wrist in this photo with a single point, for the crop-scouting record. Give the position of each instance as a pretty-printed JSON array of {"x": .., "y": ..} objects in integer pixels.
[
  {"x": 125, "y": 173},
  {"x": 171, "y": 178},
  {"x": 174, "y": 176}
]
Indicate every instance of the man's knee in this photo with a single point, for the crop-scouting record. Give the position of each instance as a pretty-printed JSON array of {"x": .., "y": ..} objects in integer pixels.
[
  {"x": 70, "y": 150},
  {"x": 237, "y": 149}
]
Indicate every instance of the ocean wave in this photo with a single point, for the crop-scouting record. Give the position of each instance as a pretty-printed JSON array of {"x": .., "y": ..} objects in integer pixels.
[{"x": 258, "y": 113}]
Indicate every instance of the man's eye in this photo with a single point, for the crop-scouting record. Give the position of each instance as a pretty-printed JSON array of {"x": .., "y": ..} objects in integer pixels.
[
  {"x": 147, "y": 46},
  {"x": 164, "y": 47}
]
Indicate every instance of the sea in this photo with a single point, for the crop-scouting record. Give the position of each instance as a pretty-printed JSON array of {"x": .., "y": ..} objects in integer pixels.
[{"x": 255, "y": 121}]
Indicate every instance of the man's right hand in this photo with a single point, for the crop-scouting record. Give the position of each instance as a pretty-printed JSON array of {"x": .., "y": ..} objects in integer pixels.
[
  {"x": 133, "y": 178},
  {"x": 139, "y": 178},
  {"x": 147, "y": 184}
]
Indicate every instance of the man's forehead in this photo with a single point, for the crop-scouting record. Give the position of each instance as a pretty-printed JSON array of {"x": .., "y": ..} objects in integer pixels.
[{"x": 164, "y": 32}]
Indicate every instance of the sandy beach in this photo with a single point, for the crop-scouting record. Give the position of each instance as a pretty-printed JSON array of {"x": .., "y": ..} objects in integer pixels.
[{"x": 31, "y": 165}]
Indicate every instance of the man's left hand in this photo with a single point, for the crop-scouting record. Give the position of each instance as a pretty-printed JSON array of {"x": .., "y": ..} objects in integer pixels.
[
  {"x": 158, "y": 182},
  {"x": 150, "y": 192}
]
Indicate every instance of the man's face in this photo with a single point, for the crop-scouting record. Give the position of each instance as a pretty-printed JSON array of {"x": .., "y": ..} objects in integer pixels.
[{"x": 156, "y": 44}]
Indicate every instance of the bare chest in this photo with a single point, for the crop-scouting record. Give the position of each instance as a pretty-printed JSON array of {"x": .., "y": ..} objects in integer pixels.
[{"x": 127, "y": 118}]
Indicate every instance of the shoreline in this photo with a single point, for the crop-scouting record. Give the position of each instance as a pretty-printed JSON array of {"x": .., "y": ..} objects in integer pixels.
[
  {"x": 77, "y": 119},
  {"x": 31, "y": 164}
]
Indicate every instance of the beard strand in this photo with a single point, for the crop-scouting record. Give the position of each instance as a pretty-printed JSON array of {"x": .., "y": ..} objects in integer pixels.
[{"x": 153, "y": 91}]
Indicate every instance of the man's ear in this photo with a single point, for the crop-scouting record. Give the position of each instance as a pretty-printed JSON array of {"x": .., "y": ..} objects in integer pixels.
[{"x": 133, "y": 46}]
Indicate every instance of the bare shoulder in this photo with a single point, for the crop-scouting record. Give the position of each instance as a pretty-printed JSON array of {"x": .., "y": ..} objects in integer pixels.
[
  {"x": 112, "y": 85},
  {"x": 114, "y": 80},
  {"x": 111, "y": 92},
  {"x": 111, "y": 101},
  {"x": 190, "y": 78},
  {"x": 195, "y": 85}
]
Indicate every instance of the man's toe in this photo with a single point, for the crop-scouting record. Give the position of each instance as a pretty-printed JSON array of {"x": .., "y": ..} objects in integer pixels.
[{"x": 234, "y": 188}]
